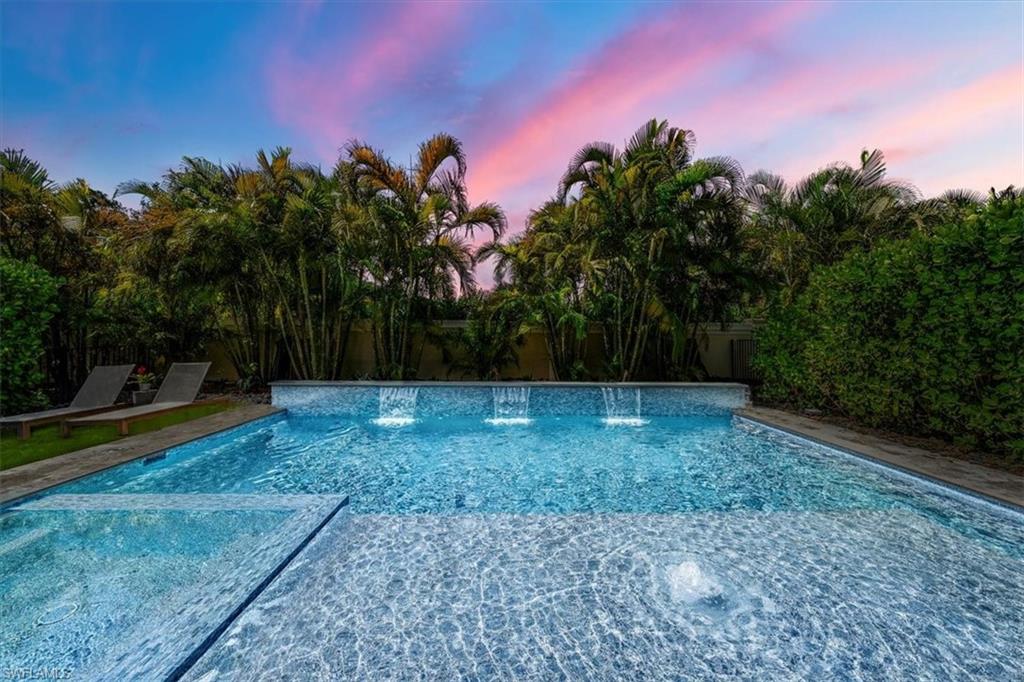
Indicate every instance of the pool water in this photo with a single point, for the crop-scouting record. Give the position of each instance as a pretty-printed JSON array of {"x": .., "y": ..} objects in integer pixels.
[
  {"x": 91, "y": 580},
  {"x": 699, "y": 546}
]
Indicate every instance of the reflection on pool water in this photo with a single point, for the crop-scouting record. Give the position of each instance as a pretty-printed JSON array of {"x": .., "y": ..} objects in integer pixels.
[{"x": 516, "y": 543}]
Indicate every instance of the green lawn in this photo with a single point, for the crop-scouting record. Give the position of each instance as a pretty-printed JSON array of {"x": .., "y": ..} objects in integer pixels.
[{"x": 46, "y": 441}]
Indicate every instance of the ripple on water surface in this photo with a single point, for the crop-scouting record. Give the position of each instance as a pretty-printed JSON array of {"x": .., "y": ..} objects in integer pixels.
[
  {"x": 684, "y": 547},
  {"x": 858, "y": 595}
]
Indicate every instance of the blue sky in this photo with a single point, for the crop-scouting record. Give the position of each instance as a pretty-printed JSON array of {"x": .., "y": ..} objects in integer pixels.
[{"x": 115, "y": 91}]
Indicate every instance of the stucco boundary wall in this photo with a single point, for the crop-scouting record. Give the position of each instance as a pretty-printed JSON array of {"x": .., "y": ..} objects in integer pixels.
[{"x": 715, "y": 343}]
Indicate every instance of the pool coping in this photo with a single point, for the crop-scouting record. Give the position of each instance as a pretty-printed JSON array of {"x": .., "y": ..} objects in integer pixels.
[
  {"x": 35, "y": 477},
  {"x": 371, "y": 383},
  {"x": 1001, "y": 487}
]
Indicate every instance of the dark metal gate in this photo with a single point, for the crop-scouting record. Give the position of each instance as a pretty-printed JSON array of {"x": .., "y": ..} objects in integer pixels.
[{"x": 741, "y": 352}]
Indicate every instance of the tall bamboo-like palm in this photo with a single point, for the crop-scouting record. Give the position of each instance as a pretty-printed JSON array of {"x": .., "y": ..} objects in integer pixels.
[
  {"x": 272, "y": 242},
  {"x": 419, "y": 233},
  {"x": 191, "y": 240},
  {"x": 646, "y": 211},
  {"x": 546, "y": 268},
  {"x": 615, "y": 196},
  {"x": 319, "y": 281},
  {"x": 706, "y": 270}
]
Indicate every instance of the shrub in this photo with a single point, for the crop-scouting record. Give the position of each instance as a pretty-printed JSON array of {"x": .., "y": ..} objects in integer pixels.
[
  {"x": 27, "y": 302},
  {"x": 492, "y": 337},
  {"x": 922, "y": 335}
]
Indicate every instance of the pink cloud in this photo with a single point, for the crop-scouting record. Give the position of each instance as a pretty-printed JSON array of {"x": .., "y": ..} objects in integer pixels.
[
  {"x": 804, "y": 92},
  {"x": 940, "y": 122},
  {"x": 612, "y": 89},
  {"x": 327, "y": 91},
  {"x": 975, "y": 105},
  {"x": 980, "y": 175}
]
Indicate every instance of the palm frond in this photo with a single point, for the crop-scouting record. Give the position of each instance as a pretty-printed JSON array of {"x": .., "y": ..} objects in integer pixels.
[
  {"x": 16, "y": 162},
  {"x": 433, "y": 154}
]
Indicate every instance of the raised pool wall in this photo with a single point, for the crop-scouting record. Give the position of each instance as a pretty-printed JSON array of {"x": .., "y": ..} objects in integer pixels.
[{"x": 471, "y": 399}]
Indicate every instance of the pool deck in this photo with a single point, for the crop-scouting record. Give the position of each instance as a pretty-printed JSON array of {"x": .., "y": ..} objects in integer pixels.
[
  {"x": 1001, "y": 486},
  {"x": 36, "y": 476}
]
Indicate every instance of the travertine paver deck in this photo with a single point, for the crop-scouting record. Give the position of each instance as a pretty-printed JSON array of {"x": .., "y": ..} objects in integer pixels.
[
  {"x": 36, "y": 476},
  {"x": 999, "y": 485}
]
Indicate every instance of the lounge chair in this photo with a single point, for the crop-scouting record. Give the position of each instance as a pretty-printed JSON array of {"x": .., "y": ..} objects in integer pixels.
[
  {"x": 178, "y": 390},
  {"x": 97, "y": 394}
]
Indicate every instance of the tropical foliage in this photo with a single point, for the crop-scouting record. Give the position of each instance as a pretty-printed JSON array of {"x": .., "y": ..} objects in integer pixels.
[
  {"x": 639, "y": 249},
  {"x": 836, "y": 210},
  {"x": 293, "y": 257},
  {"x": 68, "y": 231},
  {"x": 27, "y": 302},
  {"x": 647, "y": 243},
  {"x": 921, "y": 334},
  {"x": 492, "y": 337}
]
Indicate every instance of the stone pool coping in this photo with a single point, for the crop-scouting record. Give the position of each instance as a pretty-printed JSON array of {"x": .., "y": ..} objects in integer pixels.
[
  {"x": 373, "y": 383},
  {"x": 35, "y": 477},
  {"x": 1000, "y": 486}
]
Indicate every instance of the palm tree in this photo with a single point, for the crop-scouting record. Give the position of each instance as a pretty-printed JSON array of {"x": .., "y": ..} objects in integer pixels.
[
  {"x": 545, "y": 267},
  {"x": 640, "y": 212},
  {"x": 273, "y": 243},
  {"x": 421, "y": 223},
  {"x": 830, "y": 212},
  {"x": 192, "y": 241},
  {"x": 705, "y": 271},
  {"x": 319, "y": 281}
]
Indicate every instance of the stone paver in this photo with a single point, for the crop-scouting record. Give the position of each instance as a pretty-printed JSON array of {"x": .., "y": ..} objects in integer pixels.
[
  {"x": 36, "y": 476},
  {"x": 999, "y": 485}
]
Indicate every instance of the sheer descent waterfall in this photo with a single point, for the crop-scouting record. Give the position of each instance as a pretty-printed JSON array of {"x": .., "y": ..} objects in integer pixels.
[
  {"x": 397, "y": 405},
  {"x": 622, "y": 406},
  {"x": 511, "y": 405}
]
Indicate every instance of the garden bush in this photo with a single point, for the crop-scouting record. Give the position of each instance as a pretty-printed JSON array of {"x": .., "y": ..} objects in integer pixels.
[
  {"x": 924, "y": 335},
  {"x": 27, "y": 303}
]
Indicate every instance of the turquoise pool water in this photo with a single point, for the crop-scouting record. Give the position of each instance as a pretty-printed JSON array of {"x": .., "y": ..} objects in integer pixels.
[{"x": 696, "y": 545}]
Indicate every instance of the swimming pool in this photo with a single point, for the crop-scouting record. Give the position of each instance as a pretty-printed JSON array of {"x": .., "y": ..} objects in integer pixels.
[{"x": 510, "y": 532}]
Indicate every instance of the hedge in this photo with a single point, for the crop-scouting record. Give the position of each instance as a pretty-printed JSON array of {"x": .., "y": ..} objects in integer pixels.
[
  {"x": 27, "y": 303},
  {"x": 924, "y": 335}
]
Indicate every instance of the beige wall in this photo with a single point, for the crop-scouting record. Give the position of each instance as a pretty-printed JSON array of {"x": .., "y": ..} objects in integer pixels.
[{"x": 714, "y": 342}]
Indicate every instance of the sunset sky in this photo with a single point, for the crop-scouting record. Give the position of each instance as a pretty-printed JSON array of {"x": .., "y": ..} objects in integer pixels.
[{"x": 115, "y": 91}]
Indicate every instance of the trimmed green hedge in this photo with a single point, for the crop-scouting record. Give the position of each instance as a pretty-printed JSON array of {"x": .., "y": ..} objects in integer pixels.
[
  {"x": 27, "y": 303},
  {"x": 923, "y": 335}
]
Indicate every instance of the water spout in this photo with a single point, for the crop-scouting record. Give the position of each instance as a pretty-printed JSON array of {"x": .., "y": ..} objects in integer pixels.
[
  {"x": 511, "y": 405},
  {"x": 622, "y": 406},
  {"x": 397, "y": 406},
  {"x": 689, "y": 584}
]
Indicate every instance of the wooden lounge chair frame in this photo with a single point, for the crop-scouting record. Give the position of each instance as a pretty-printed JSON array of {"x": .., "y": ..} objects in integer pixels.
[
  {"x": 25, "y": 426},
  {"x": 124, "y": 422},
  {"x": 102, "y": 386},
  {"x": 178, "y": 391}
]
